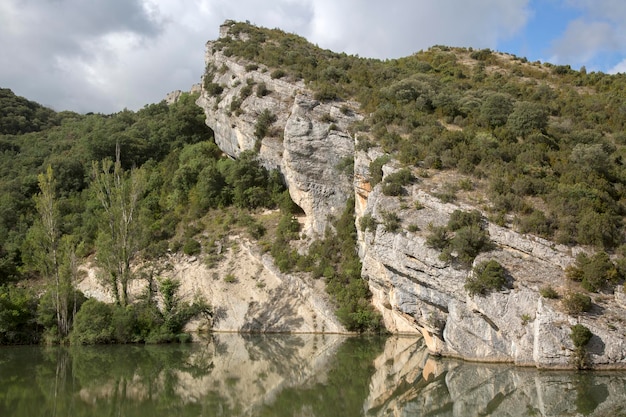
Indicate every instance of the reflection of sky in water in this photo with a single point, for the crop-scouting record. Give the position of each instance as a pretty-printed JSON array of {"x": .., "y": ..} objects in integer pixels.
[{"x": 289, "y": 375}]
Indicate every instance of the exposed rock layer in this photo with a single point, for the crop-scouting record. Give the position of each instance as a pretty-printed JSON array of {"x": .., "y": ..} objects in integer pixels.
[
  {"x": 307, "y": 142},
  {"x": 415, "y": 291},
  {"x": 249, "y": 292}
]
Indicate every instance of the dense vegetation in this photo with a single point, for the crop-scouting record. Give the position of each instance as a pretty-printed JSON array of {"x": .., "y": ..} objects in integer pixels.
[
  {"x": 335, "y": 259},
  {"x": 545, "y": 142},
  {"x": 116, "y": 188},
  {"x": 541, "y": 145}
]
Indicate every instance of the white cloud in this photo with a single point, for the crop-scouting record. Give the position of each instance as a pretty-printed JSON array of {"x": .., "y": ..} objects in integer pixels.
[
  {"x": 104, "y": 56},
  {"x": 600, "y": 31},
  {"x": 394, "y": 29},
  {"x": 582, "y": 40},
  {"x": 619, "y": 68},
  {"x": 611, "y": 10}
]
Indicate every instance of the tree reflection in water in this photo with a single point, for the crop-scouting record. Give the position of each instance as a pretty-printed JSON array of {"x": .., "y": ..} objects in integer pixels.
[{"x": 289, "y": 375}]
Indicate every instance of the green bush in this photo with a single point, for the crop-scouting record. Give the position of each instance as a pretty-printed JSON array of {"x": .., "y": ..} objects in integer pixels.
[
  {"x": 486, "y": 277},
  {"x": 235, "y": 106},
  {"x": 245, "y": 91},
  {"x": 391, "y": 221},
  {"x": 548, "y": 292},
  {"x": 263, "y": 123},
  {"x": 262, "y": 90},
  {"x": 462, "y": 239},
  {"x": 99, "y": 323},
  {"x": 213, "y": 89},
  {"x": 438, "y": 238},
  {"x": 495, "y": 110},
  {"x": 326, "y": 93},
  {"x": 93, "y": 324},
  {"x": 576, "y": 303},
  {"x": 393, "y": 189},
  {"x": 376, "y": 169},
  {"x": 368, "y": 222},
  {"x": 460, "y": 219},
  {"x": 467, "y": 243},
  {"x": 192, "y": 247},
  {"x": 18, "y": 324},
  {"x": 595, "y": 272},
  {"x": 278, "y": 73},
  {"x": 580, "y": 336},
  {"x": 393, "y": 183},
  {"x": 527, "y": 118}
]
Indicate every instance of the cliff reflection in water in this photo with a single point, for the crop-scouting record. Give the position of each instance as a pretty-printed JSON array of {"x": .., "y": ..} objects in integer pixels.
[{"x": 289, "y": 375}]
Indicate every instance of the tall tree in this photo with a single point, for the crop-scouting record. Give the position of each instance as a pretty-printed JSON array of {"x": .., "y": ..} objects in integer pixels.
[
  {"x": 119, "y": 193},
  {"x": 51, "y": 253}
]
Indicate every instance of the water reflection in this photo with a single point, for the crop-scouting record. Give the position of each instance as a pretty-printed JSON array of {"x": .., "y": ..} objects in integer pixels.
[
  {"x": 410, "y": 383},
  {"x": 290, "y": 375}
]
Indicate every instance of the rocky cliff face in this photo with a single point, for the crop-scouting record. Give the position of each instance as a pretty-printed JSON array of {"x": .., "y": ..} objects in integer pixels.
[
  {"x": 418, "y": 292},
  {"x": 250, "y": 293},
  {"x": 415, "y": 291},
  {"x": 308, "y": 142}
]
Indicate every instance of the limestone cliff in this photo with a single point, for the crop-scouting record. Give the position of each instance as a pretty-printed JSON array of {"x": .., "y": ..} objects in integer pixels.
[
  {"x": 248, "y": 290},
  {"x": 418, "y": 292},
  {"x": 415, "y": 291},
  {"x": 308, "y": 141}
]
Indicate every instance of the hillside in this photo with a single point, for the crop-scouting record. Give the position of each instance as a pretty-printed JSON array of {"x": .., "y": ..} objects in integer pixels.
[
  {"x": 466, "y": 195},
  {"x": 543, "y": 143},
  {"x": 482, "y": 222}
]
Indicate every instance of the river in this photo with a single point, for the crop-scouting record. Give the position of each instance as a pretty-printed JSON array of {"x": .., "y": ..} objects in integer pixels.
[{"x": 289, "y": 375}]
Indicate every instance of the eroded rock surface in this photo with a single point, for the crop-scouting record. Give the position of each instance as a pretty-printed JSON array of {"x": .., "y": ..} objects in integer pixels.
[
  {"x": 248, "y": 292},
  {"x": 416, "y": 292},
  {"x": 308, "y": 142}
]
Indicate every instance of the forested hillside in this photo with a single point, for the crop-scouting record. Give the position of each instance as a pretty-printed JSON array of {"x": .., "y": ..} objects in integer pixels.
[
  {"x": 540, "y": 149},
  {"x": 123, "y": 187},
  {"x": 545, "y": 142}
]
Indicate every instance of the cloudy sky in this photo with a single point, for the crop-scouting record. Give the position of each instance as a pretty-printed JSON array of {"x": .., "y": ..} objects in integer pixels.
[{"x": 107, "y": 55}]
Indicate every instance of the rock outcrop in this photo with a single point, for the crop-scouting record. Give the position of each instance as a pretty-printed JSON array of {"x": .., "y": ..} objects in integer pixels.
[
  {"x": 308, "y": 142},
  {"x": 416, "y": 292},
  {"x": 249, "y": 292}
]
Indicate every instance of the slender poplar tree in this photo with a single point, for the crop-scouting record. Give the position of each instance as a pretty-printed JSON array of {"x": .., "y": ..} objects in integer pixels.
[
  {"x": 52, "y": 253},
  {"x": 119, "y": 193}
]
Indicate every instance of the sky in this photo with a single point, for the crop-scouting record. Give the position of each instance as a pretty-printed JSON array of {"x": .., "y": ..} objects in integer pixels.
[{"x": 107, "y": 55}]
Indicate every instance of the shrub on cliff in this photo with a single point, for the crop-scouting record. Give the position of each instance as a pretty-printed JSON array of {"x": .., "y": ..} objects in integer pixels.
[
  {"x": 393, "y": 185},
  {"x": 595, "y": 272},
  {"x": 376, "y": 169},
  {"x": 486, "y": 277},
  {"x": 462, "y": 239},
  {"x": 580, "y": 336},
  {"x": 213, "y": 89},
  {"x": 576, "y": 303},
  {"x": 263, "y": 123}
]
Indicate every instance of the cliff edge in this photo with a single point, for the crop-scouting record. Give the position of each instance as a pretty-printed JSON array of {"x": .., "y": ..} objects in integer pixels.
[{"x": 253, "y": 108}]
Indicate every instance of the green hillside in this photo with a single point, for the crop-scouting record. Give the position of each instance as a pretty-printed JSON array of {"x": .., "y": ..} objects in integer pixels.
[
  {"x": 545, "y": 142},
  {"x": 541, "y": 146},
  {"x": 62, "y": 196}
]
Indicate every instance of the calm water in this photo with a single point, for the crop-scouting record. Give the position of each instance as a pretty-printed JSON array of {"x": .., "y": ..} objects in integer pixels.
[{"x": 312, "y": 375}]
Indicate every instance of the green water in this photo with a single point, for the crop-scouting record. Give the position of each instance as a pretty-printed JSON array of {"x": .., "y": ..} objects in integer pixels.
[{"x": 279, "y": 375}]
